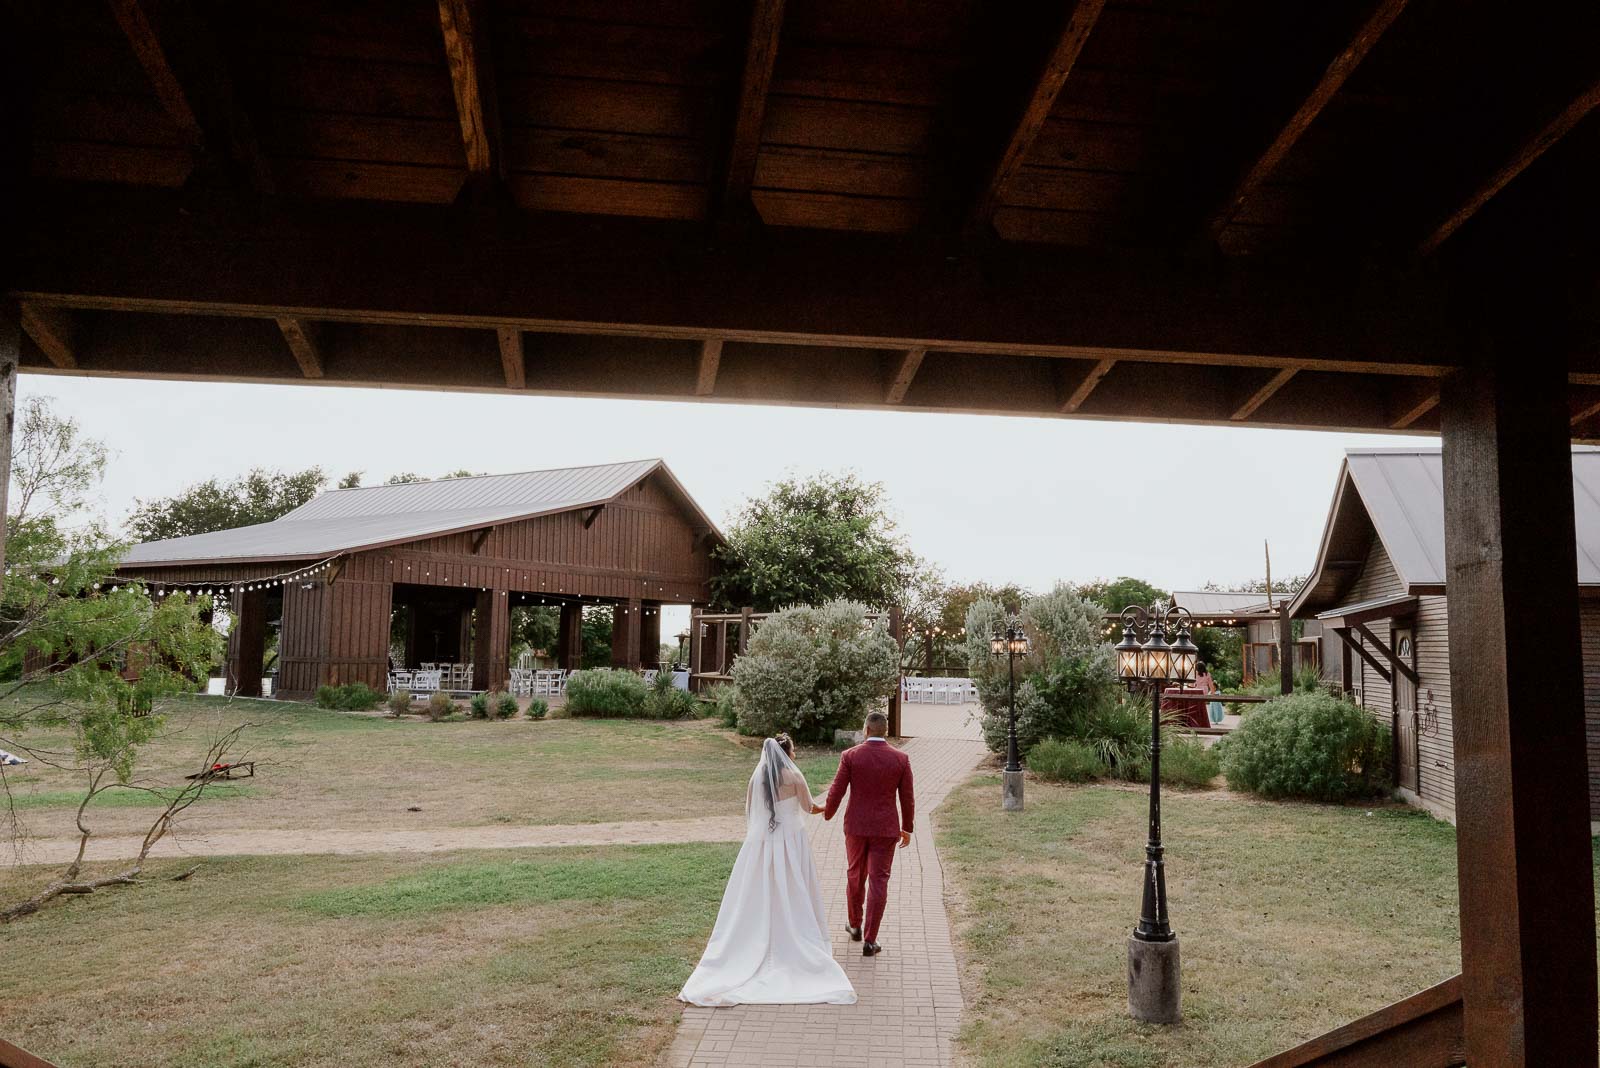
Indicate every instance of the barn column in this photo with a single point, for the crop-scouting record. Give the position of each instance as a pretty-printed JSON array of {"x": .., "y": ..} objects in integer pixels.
[
  {"x": 1523, "y": 852},
  {"x": 491, "y": 641},
  {"x": 625, "y": 628},
  {"x": 650, "y": 634},
  {"x": 247, "y": 643},
  {"x": 696, "y": 645},
  {"x": 10, "y": 353},
  {"x": 569, "y": 638}
]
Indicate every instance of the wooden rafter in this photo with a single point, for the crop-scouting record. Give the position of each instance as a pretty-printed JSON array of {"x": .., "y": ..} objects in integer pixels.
[
  {"x": 1075, "y": 391},
  {"x": 1531, "y": 149},
  {"x": 1586, "y": 408},
  {"x": 1410, "y": 405},
  {"x": 738, "y": 170},
  {"x": 52, "y": 330},
  {"x": 905, "y": 370},
  {"x": 1265, "y": 162},
  {"x": 591, "y": 515},
  {"x": 1262, "y": 394},
  {"x": 301, "y": 336},
  {"x": 472, "y": 78},
  {"x": 1041, "y": 98},
  {"x": 479, "y": 538},
  {"x": 706, "y": 365},
  {"x": 180, "y": 56},
  {"x": 513, "y": 357}
]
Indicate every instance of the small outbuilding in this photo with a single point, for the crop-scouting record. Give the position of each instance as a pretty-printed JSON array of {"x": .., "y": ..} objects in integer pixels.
[
  {"x": 1379, "y": 588},
  {"x": 360, "y": 580}
]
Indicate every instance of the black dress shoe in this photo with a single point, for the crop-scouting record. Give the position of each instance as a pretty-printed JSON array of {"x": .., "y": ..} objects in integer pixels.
[
  {"x": 853, "y": 932},
  {"x": 870, "y": 949}
]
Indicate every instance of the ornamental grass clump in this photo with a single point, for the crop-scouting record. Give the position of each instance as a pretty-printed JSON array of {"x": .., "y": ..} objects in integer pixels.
[
  {"x": 399, "y": 703},
  {"x": 352, "y": 697},
  {"x": 1185, "y": 761},
  {"x": 810, "y": 671},
  {"x": 538, "y": 708},
  {"x": 1308, "y": 745},
  {"x": 666, "y": 701},
  {"x": 606, "y": 693},
  {"x": 1065, "y": 760}
]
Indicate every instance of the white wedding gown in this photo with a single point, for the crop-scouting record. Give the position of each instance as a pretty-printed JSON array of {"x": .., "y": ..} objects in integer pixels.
[{"x": 770, "y": 945}]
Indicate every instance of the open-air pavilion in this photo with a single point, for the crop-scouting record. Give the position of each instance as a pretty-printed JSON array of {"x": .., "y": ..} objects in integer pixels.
[
  {"x": 359, "y": 581},
  {"x": 1355, "y": 215}
]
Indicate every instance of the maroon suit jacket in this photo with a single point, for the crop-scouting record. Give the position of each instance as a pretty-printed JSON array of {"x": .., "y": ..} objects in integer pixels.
[{"x": 874, "y": 773}]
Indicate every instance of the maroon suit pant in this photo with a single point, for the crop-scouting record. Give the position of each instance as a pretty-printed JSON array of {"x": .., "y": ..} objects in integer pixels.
[{"x": 867, "y": 881}]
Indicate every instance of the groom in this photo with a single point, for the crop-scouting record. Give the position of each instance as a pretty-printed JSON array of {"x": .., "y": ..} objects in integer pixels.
[{"x": 874, "y": 772}]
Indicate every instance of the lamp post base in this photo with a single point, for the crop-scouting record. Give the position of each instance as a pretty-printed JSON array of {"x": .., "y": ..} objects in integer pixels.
[
  {"x": 1153, "y": 988},
  {"x": 1011, "y": 791}
]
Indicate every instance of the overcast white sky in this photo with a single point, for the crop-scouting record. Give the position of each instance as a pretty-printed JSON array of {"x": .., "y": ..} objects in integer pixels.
[{"x": 1025, "y": 500}]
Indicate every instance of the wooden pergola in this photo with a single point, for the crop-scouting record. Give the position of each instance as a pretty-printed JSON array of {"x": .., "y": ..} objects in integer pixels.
[{"x": 1355, "y": 215}]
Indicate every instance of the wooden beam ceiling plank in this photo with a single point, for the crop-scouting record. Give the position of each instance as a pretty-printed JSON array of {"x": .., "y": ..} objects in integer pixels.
[
  {"x": 709, "y": 360},
  {"x": 1262, "y": 394},
  {"x": 1266, "y": 161},
  {"x": 1075, "y": 391},
  {"x": 302, "y": 338},
  {"x": 905, "y": 371},
  {"x": 1036, "y": 107},
  {"x": 1526, "y": 153},
  {"x": 513, "y": 357},
  {"x": 1410, "y": 404},
  {"x": 53, "y": 331},
  {"x": 467, "y": 50},
  {"x": 134, "y": 19},
  {"x": 743, "y": 144}
]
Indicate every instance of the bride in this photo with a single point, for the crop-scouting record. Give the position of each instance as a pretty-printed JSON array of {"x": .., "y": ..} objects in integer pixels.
[{"x": 769, "y": 945}]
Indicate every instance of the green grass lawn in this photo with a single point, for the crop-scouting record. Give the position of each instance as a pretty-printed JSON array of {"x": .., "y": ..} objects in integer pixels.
[
  {"x": 1292, "y": 918},
  {"x": 549, "y": 957},
  {"x": 322, "y": 770}
]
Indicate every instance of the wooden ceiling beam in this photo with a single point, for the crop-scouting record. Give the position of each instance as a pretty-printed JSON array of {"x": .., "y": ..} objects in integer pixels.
[
  {"x": 1265, "y": 162},
  {"x": 1526, "y": 153},
  {"x": 1411, "y": 403},
  {"x": 1041, "y": 98},
  {"x": 905, "y": 370},
  {"x": 737, "y": 173},
  {"x": 1585, "y": 407},
  {"x": 1074, "y": 387},
  {"x": 403, "y": 265},
  {"x": 706, "y": 365},
  {"x": 301, "y": 336},
  {"x": 183, "y": 60},
  {"x": 513, "y": 357},
  {"x": 1263, "y": 393},
  {"x": 53, "y": 331},
  {"x": 467, "y": 49}
]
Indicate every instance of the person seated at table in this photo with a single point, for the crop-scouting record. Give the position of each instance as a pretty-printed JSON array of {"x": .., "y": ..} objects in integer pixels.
[{"x": 1207, "y": 684}]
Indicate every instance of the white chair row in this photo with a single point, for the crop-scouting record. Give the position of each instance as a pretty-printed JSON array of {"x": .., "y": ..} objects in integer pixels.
[
  {"x": 527, "y": 682},
  {"x": 454, "y": 675},
  {"x": 416, "y": 681},
  {"x": 937, "y": 691}
]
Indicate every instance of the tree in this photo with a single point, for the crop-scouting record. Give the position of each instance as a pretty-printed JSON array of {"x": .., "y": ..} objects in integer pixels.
[
  {"x": 1125, "y": 591},
  {"x": 403, "y": 478},
  {"x": 82, "y": 653},
  {"x": 259, "y": 496},
  {"x": 597, "y": 623},
  {"x": 534, "y": 627},
  {"x": 352, "y": 480},
  {"x": 810, "y": 541}
]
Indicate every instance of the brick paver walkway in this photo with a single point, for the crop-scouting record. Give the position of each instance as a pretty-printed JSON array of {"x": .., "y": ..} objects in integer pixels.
[{"x": 910, "y": 998}]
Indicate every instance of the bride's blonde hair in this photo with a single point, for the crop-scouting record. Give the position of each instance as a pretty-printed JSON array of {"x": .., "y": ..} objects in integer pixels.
[{"x": 786, "y": 743}]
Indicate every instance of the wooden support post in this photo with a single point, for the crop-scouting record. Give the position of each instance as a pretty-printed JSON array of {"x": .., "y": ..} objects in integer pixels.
[
  {"x": 744, "y": 629},
  {"x": 569, "y": 638},
  {"x": 625, "y": 628},
  {"x": 650, "y": 635},
  {"x": 1285, "y": 650},
  {"x": 1524, "y": 858},
  {"x": 1346, "y": 668},
  {"x": 695, "y": 646},
  {"x": 10, "y": 351},
  {"x": 896, "y": 631},
  {"x": 247, "y": 643},
  {"x": 491, "y": 645}
]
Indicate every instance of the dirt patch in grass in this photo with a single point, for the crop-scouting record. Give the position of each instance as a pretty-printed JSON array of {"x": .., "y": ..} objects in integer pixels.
[
  {"x": 563, "y": 956},
  {"x": 1292, "y": 918}
]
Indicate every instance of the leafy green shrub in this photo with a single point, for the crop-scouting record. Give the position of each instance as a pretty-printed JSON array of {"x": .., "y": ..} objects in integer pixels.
[
  {"x": 478, "y": 707},
  {"x": 399, "y": 703},
  {"x": 1059, "y": 760},
  {"x": 1310, "y": 745},
  {"x": 666, "y": 701},
  {"x": 606, "y": 693},
  {"x": 353, "y": 697},
  {"x": 538, "y": 708},
  {"x": 1186, "y": 762},
  {"x": 440, "y": 706},
  {"x": 504, "y": 706},
  {"x": 1119, "y": 733},
  {"x": 724, "y": 706},
  {"x": 809, "y": 671},
  {"x": 1056, "y": 700}
]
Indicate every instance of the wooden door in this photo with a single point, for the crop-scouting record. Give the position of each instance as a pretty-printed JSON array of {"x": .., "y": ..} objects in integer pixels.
[{"x": 1406, "y": 751}]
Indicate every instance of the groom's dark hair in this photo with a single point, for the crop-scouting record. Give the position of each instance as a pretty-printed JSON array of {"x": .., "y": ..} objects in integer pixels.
[{"x": 877, "y": 724}]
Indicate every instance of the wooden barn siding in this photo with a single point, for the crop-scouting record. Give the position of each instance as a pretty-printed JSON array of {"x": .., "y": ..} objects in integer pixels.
[{"x": 1589, "y": 621}]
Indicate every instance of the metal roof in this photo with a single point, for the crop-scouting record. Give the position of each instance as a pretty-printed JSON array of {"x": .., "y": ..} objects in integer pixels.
[
  {"x": 345, "y": 520},
  {"x": 1215, "y": 603},
  {"x": 1400, "y": 494}
]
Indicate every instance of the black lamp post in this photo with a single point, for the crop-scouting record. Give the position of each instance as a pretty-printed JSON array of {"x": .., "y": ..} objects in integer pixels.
[
  {"x": 1147, "y": 661},
  {"x": 1011, "y": 642},
  {"x": 683, "y": 638}
]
